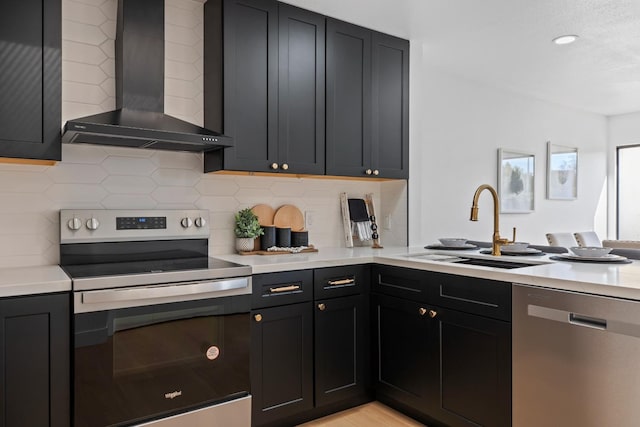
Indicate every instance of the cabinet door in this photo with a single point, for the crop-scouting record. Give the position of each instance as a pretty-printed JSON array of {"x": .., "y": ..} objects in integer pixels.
[
  {"x": 34, "y": 361},
  {"x": 250, "y": 85},
  {"x": 30, "y": 79},
  {"x": 348, "y": 99},
  {"x": 390, "y": 106},
  {"x": 406, "y": 346},
  {"x": 475, "y": 369},
  {"x": 301, "y": 91},
  {"x": 281, "y": 362},
  {"x": 341, "y": 350}
]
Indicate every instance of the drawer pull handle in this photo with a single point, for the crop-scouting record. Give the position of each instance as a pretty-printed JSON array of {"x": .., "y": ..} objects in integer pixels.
[
  {"x": 322, "y": 307},
  {"x": 289, "y": 288},
  {"x": 422, "y": 311},
  {"x": 341, "y": 282},
  {"x": 433, "y": 313},
  {"x": 258, "y": 317}
]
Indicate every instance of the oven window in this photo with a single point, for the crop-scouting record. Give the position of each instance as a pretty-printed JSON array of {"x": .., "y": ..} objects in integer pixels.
[
  {"x": 147, "y": 342},
  {"x": 138, "y": 363}
]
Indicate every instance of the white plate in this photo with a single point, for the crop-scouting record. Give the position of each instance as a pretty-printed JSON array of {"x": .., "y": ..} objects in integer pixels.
[
  {"x": 520, "y": 251},
  {"x": 605, "y": 258}
]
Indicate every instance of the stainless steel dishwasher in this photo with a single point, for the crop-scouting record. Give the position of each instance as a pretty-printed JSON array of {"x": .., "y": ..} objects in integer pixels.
[{"x": 576, "y": 359}]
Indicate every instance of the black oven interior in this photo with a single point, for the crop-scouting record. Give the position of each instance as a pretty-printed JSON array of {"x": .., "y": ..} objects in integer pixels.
[{"x": 159, "y": 359}]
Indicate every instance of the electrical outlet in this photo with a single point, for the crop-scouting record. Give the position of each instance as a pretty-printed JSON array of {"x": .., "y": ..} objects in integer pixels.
[
  {"x": 386, "y": 222},
  {"x": 308, "y": 219}
]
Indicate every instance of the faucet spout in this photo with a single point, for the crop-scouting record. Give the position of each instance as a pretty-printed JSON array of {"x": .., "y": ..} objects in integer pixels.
[{"x": 496, "y": 240}]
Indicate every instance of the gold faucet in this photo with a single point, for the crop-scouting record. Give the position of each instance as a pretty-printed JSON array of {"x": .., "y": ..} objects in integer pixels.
[{"x": 496, "y": 240}]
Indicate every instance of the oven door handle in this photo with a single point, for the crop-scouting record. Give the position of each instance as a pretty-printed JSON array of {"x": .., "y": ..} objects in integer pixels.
[{"x": 164, "y": 291}]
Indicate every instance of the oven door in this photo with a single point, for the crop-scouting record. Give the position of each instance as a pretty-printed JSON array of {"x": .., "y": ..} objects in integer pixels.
[{"x": 148, "y": 362}]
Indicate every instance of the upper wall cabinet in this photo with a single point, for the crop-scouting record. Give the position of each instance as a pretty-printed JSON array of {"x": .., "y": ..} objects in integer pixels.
[
  {"x": 367, "y": 103},
  {"x": 30, "y": 79},
  {"x": 273, "y": 88}
]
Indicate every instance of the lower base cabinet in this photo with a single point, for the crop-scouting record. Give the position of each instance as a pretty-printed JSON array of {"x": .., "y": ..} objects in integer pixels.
[
  {"x": 281, "y": 362},
  {"x": 475, "y": 369},
  {"x": 407, "y": 371},
  {"x": 340, "y": 348},
  {"x": 34, "y": 361},
  {"x": 442, "y": 346},
  {"x": 309, "y": 357}
]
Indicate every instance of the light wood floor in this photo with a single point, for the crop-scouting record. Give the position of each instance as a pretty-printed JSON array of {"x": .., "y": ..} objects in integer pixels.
[{"x": 373, "y": 414}]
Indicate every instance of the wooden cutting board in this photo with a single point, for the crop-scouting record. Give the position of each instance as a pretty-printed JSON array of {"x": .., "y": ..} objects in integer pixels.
[
  {"x": 264, "y": 213},
  {"x": 289, "y": 216}
]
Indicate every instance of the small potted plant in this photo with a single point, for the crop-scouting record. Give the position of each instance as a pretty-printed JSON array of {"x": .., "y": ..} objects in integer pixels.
[{"x": 247, "y": 229}]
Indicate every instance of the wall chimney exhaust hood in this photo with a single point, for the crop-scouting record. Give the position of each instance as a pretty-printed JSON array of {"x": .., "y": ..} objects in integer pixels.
[{"x": 139, "y": 120}]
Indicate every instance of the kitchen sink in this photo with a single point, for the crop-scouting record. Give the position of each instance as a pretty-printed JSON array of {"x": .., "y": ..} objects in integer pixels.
[{"x": 494, "y": 262}]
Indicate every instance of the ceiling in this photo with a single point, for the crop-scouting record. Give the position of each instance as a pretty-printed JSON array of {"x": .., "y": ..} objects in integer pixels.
[{"x": 507, "y": 44}]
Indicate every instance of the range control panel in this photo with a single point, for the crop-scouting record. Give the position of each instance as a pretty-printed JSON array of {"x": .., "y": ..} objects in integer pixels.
[
  {"x": 106, "y": 225},
  {"x": 141, "y": 222}
]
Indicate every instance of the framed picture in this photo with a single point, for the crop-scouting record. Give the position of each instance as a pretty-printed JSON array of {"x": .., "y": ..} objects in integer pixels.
[
  {"x": 562, "y": 172},
  {"x": 516, "y": 178}
]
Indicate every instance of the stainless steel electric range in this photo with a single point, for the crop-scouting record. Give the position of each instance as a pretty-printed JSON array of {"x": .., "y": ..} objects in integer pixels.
[{"x": 161, "y": 330}]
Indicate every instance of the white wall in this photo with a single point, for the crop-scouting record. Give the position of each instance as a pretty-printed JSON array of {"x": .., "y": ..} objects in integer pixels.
[{"x": 458, "y": 126}]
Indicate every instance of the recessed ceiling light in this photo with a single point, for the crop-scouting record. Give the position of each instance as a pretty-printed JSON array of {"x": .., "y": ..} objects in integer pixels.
[{"x": 570, "y": 38}]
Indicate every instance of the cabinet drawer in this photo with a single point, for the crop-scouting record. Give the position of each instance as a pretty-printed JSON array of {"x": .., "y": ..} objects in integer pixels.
[
  {"x": 289, "y": 287},
  {"x": 334, "y": 282},
  {"x": 472, "y": 295},
  {"x": 401, "y": 282}
]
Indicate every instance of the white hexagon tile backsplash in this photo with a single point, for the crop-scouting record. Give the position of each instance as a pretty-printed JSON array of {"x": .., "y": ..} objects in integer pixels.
[{"x": 97, "y": 177}]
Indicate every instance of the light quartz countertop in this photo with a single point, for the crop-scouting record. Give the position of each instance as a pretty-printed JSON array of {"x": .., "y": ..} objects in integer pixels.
[
  {"x": 33, "y": 280},
  {"x": 616, "y": 280},
  {"x": 608, "y": 279}
]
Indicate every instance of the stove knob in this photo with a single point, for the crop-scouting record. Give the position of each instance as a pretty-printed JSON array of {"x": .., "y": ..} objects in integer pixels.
[
  {"x": 74, "y": 223},
  {"x": 93, "y": 224},
  {"x": 186, "y": 222},
  {"x": 200, "y": 222}
]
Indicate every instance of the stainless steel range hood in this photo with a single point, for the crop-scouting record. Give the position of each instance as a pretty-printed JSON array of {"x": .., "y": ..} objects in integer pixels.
[{"x": 139, "y": 120}]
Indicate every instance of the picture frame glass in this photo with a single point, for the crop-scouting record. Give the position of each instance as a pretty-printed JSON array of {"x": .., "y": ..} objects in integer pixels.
[
  {"x": 562, "y": 172},
  {"x": 516, "y": 181}
]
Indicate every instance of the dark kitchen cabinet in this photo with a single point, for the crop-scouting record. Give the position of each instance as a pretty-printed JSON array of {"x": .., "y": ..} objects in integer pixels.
[
  {"x": 404, "y": 354},
  {"x": 310, "y": 351},
  {"x": 340, "y": 349},
  {"x": 443, "y": 346},
  {"x": 390, "y": 106},
  {"x": 30, "y": 79},
  {"x": 367, "y": 102},
  {"x": 281, "y": 346},
  {"x": 281, "y": 362},
  {"x": 341, "y": 334},
  {"x": 475, "y": 369},
  {"x": 301, "y": 90},
  {"x": 35, "y": 361},
  {"x": 273, "y": 88}
]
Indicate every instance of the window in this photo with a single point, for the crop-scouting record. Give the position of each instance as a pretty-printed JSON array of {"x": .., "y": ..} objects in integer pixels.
[{"x": 627, "y": 193}]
